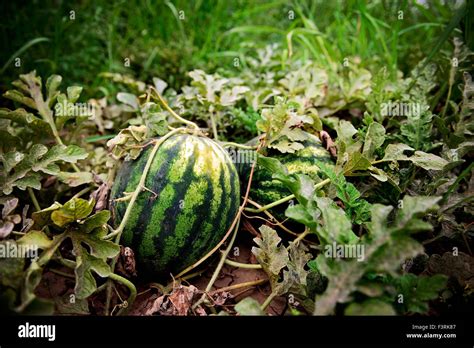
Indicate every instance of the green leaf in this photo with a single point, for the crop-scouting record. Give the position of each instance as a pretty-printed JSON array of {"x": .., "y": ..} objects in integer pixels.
[
  {"x": 417, "y": 291},
  {"x": 89, "y": 233},
  {"x": 273, "y": 165},
  {"x": 300, "y": 185},
  {"x": 76, "y": 178},
  {"x": 429, "y": 287},
  {"x": 342, "y": 279},
  {"x": 96, "y": 221},
  {"x": 377, "y": 225},
  {"x": 69, "y": 154},
  {"x": 52, "y": 85},
  {"x": 392, "y": 252},
  {"x": 36, "y": 238},
  {"x": 385, "y": 248},
  {"x": 99, "y": 248},
  {"x": 20, "y": 168},
  {"x": 128, "y": 99},
  {"x": 229, "y": 97},
  {"x": 43, "y": 217},
  {"x": 85, "y": 232},
  {"x": 73, "y": 93},
  {"x": 8, "y": 141},
  {"x": 374, "y": 139},
  {"x": 270, "y": 254},
  {"x": 85, "y": 281},
  {"x": 24, "y": 118},
  {"x": 74, "y": 210},
  {"x": 416, "y": 129},
  {"x": 124, "y": 144},
  {"x": 20, "y": 98},
  {"x": 297, "y": 274},
  {"x": 356, "y": 208},
  {"x": 463, "y": 127},
  {"x": 282, "y": 125},
  {"x": 336, "y": 227},
  {"x": 275, "y": 258},
  {"x": 29, "y": 180},
  {"x": 395, "y": 152},
  {"x": 302, "y": 215},
  {"x": 11, "y": 159},
  {"x": 356, "y": 162},
  {"x": 345, "y": 132},
  {"x": 413, "y": 206},
  {"x": 284, "y": 145},
  {"x": 95, "y": 261},
  {"x": 154, "y": 119},
  {"x": 42, "y": 241},
  {"x": 428, "y": 161},
  {"x": 31, "y": 280}
]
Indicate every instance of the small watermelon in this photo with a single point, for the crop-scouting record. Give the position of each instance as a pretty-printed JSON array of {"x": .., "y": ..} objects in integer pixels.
[
  {"x": 265, "y": 190},
  {"x": 191, "y": 198}
]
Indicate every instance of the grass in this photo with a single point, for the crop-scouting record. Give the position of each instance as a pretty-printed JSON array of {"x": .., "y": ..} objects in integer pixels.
[{"x": 169, "y": 38}]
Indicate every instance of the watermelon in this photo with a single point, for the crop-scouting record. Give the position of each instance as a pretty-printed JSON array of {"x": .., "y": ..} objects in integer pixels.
[
  {"x": 266, "y": 190},
  {"x": 192, "y": 196}
]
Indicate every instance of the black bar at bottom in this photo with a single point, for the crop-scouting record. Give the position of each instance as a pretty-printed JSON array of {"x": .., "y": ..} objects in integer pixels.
[{"x": 134, "y": 331}]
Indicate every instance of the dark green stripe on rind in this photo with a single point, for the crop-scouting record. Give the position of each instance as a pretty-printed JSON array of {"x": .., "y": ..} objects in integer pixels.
[
  {"x": 170, "y": 239},
  {"x": 128, "y": 170},
  {"x": 159, "y": 196}
]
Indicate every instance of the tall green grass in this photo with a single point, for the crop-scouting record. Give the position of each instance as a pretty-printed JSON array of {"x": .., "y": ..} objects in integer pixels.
[{"x": 158, "y": 41}]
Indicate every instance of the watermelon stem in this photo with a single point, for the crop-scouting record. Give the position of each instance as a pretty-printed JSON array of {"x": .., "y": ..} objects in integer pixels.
[
  {"x": 214, "y": 128},
  {"x": 300, "y": 237},
  {"x": 271, "y": 205},
  {"x": 268, "y": 300},
  {"x": 131, "y": 288},
  {"x": 82, "y": 192},
  {"x": 172, "y": 112},
  {"x": 236, "y": 145},
  {"x": 242, "y": 265},
  {"x": 284, "y": 199},
  {"x": 240, "y": 285},
  {"x": 33, "y": 199},
  {"x": 219, "y": 266},
  {"x": 273, "y": 220}
]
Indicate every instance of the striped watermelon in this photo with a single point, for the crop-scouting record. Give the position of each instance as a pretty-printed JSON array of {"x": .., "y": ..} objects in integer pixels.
[
  {"x": 266, "y": 190},
  {"x": 192, "y": 198}
]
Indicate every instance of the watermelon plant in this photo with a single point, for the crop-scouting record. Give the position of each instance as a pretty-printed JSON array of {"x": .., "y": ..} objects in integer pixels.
[{"x": 226, "y": 161}]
